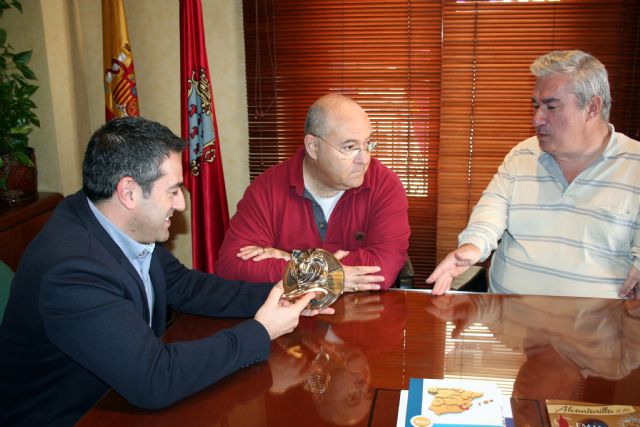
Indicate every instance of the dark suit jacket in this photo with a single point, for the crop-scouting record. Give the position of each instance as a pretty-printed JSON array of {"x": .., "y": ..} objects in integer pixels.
[{"x": 77, "y": 323}]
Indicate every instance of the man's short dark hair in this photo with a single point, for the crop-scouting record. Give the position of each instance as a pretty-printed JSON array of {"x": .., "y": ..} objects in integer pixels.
[{"x": 128, "y": 146}]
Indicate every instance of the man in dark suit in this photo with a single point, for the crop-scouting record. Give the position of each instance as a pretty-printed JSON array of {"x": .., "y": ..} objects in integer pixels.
[{"x": 88, "y": 303}]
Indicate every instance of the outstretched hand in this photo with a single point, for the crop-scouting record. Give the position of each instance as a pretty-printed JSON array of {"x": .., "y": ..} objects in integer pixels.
[
  {"x": 453, "y": 265},
  {"x": 631, "y": 287}
]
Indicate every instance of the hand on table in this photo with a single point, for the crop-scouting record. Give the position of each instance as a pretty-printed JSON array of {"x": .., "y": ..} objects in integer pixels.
[
  {"x": 454, "y": 264},
  {"x": 359, "y": 278},
  {"x": 259, "y": 253}
]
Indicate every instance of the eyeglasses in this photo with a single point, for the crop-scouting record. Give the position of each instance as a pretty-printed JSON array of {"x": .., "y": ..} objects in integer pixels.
[{"x": 352, "y": 151}]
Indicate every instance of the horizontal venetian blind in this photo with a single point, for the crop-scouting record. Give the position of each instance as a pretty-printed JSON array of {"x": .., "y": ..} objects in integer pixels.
[
  {"x": 486, "y": 84},
  {"x": 383, "y": 54},
  {"x": 446, "y": 83}
]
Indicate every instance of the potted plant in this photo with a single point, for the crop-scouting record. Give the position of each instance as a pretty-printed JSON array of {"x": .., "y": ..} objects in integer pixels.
[{"x": 18, "y": 181}]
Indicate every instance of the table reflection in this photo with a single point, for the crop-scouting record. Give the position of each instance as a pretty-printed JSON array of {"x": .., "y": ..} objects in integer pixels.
[
  {"x": 347, "y": 369},
  {"x": 325, "y": 365},
  {"x": 566, "y": 342}
]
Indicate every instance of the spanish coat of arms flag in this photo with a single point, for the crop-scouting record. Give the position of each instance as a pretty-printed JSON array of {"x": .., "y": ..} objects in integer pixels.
[{"x": 120, "y": 94}]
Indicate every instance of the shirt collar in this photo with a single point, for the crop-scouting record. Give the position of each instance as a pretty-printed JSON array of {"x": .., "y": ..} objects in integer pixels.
[
  {"x": 613, "y": 148},
  {"x": 130, "y": 247}
]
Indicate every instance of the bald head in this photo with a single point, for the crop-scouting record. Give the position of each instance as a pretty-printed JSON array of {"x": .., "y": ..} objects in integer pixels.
[
  {"x": 337, "y": 134},
  {"x": 325, "y": 111}
]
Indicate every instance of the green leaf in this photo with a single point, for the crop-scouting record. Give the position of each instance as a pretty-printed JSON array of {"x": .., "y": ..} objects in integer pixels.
[
  {"x": 16, "y": 77},
  {"x": 23, "y": 159},
  {"x": 17, "y": 5},
  {"x": 20, "y": 145},
  {"x": 22, "y": 57},
  {"x": 25, "y": 91},
  {"x": 3, "y": 36},
  {"x": 26, "y": 71},
  {"x": 28, "y": 103},
  {"x": 29, "y": 90},
  {"x": 22, "y": 130}
]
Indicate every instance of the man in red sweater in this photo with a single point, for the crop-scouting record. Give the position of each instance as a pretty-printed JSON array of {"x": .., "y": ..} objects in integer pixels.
[{"x": 332, "y": 195}]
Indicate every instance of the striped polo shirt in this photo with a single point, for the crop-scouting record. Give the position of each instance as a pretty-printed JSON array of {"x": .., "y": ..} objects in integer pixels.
[{"x": 559, "y": 238}]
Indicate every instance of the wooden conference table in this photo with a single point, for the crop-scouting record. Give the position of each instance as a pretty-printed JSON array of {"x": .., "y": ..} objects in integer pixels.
[{"x": 348, "y": 368}]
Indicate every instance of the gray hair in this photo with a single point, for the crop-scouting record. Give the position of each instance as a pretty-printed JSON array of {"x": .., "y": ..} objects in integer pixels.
[
  {"x": 316, "y": 122},
  {"x": 588, "y": 74}
]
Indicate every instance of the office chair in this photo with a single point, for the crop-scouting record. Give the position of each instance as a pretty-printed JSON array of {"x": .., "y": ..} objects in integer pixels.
[
  {"x": 472, "y": 280},
  {"x": 6, "y": 276},
  {"x": 405, "y": 276}
]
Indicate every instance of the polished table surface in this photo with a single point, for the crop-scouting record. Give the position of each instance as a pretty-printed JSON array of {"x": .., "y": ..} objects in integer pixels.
[{"x": 349, "y": 368}]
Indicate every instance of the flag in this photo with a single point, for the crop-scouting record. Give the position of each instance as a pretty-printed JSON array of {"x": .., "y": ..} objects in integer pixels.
[
  {"x": 120, "y": 94},
  {"x": 203, "y": 175}
]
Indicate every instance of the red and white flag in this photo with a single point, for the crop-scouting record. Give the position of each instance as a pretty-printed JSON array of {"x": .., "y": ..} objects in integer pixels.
[{"x": 203, "y": 175}]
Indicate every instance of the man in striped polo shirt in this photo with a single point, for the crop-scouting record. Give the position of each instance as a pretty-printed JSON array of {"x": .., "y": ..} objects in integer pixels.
[{"x": 562, "y": 211}]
